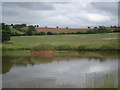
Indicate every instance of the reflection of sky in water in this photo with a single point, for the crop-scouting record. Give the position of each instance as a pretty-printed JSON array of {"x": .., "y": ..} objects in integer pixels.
[{"x": 69, "y": 72}]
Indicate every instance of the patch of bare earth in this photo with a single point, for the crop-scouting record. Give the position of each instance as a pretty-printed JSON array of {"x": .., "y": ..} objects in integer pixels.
[
  {"x": 58, "y": 30},
  {"x": 42, "y": 53}
]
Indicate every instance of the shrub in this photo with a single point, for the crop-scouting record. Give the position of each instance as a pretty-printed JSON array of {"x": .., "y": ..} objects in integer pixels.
[
  {"x": 49, "y": 33},
  {"x": 79, "y": 32},
  {"x": 116, "y": 30},
  {"x": 82, "y": 47}
]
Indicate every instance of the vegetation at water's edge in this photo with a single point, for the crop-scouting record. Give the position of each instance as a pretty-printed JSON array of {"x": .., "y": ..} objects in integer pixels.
[
  {"x": 79, "y": 48},
  {"x": 64, "y": 42}
]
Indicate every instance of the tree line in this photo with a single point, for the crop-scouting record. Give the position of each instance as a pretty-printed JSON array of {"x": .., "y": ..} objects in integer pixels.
[{"x": 7, "y": 31}]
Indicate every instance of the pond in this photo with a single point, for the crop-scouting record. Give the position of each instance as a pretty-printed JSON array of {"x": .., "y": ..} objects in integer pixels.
[{"x": 66, "y": 69}]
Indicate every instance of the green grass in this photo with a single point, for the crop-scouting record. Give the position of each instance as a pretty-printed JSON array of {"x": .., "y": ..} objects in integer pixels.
[
  {"x": 64, "y": 42},
  {"x": 16, "y": 31}
]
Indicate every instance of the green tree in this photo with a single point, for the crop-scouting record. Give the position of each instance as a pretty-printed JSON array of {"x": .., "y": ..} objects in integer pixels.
[
  {"x": 49, "y": 33},
  {"x": 30, "y": 30},
  {"x": 66, "y": 27},
  {"x": 95, "y": 27},
  {"x": 11, "y": 24},
  {"x": 6, "y": 33},
  {"x": 42, "y": 33},
  {"x": 88, "y": 27}
]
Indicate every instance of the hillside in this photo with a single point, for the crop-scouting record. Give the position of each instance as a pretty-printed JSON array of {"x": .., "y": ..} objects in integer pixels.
[
  {"x": 15, "y": 31},
  {"x": 57, "y": 30}
]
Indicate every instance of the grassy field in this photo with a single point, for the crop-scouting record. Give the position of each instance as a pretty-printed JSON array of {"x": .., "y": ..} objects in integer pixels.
[
  {"x": 16, "y": 31},
  {"x": 107, "y": 41}
]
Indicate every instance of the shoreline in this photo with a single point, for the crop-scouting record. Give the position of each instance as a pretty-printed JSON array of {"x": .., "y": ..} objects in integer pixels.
[{"x": 89, "y": 50}]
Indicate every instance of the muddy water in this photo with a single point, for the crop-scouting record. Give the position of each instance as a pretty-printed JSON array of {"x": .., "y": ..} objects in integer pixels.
[{"x": 63, "y": 70}]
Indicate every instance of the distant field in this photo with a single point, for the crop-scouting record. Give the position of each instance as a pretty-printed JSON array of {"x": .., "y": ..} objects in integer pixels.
[
  {"x": 58, "y": 30},
  {"x": 65, "y": 42}
]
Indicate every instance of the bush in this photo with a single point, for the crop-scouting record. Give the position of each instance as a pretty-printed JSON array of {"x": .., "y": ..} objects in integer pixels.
[
  {"x": 39, "y": 33},
  {"x": 49, "y": 33},
  {"x": 79, "y": 33},
  {"x": 82, "y": 47},
  {"x": 42, "y": 33},
  {"x": 116, "y": 30}
]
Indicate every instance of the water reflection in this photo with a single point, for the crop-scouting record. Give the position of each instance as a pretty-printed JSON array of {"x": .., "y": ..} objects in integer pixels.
[{"x": 65, "y": 69}]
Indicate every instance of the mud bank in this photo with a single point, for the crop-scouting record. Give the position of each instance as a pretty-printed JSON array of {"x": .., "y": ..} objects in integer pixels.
[{"x": 42, "y": 53}]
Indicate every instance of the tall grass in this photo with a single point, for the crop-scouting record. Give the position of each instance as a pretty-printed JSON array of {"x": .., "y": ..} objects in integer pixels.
[
  {"x": 101, "y": 80},
  {"x": 42, "y": 46}
]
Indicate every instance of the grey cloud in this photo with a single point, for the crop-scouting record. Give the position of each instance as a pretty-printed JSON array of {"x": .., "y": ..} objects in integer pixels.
[
  {"x": 29, "y": 5},
  {"x": 72, "y": 14},
  {"x": 111, "y": 7}
]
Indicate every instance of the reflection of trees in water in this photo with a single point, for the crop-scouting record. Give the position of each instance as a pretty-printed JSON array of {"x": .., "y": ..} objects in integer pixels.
[
  {"x": 99, "y": 54},
  {"x": 97, "y": 58},
  {"x": 8, "y": 62}
]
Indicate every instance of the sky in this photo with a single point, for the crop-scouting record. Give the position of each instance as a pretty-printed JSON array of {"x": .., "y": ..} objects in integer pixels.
[{"x": 62, "y": 14}]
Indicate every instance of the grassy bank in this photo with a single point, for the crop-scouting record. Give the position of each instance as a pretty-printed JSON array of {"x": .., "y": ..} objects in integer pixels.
[{"x": 64, "y": 42}]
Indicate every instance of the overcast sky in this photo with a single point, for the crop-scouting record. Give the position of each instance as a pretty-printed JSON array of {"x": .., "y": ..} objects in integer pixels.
[{"x": 62, "y": 14}]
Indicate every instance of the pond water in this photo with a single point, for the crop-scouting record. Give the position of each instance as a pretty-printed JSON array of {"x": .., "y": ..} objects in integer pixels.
[{"x": 63, "y": 70}]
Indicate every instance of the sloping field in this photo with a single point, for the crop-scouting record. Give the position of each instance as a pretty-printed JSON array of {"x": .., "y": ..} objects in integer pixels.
[
  {"x": 57, "y": 30},
  {"x": 74, "y": 42},
  {"x": 16, "y": 31}
]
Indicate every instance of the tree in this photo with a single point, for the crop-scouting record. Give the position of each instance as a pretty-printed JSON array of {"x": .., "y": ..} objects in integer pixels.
[
  {"x": 30, "y": 30},
  {"x": 66, "y": 27},
  {"x": 57, "y": 27},
  {"x": 37, "y": 25},
  {"x": 95, "y": 27},
  {"x": 11, "y": 24},
  {"x": 42, "y": 33},
  {"x": 111, "y": 26},
  {"x": 103, "y": 29},
  {"x": 23, "y": 25},
  {"x": 49, "y": 33},
  {"x": 89, "y": 27},
  {"x": 6, "y": 33},
  {"x": 115, "y": 26}
]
